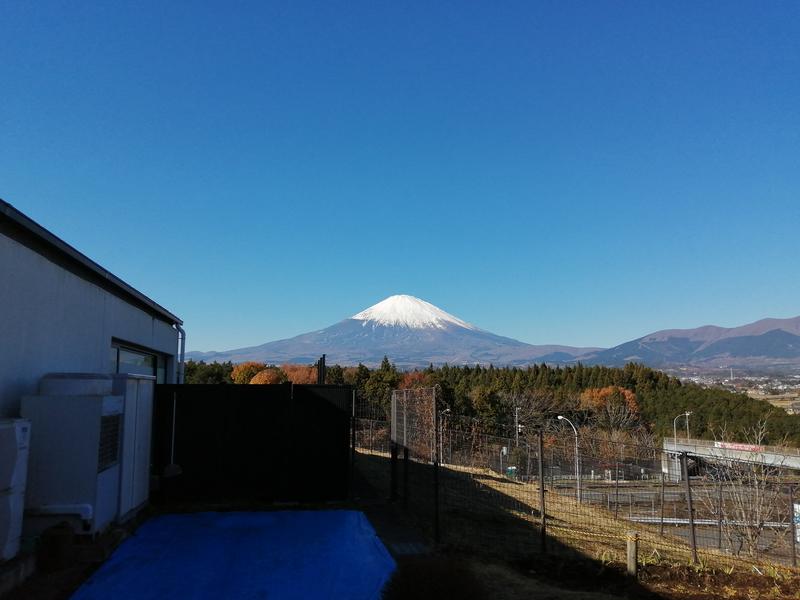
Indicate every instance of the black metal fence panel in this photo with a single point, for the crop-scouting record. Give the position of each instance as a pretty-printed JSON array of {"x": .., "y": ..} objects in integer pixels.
[{"x": 258, "y": 442}]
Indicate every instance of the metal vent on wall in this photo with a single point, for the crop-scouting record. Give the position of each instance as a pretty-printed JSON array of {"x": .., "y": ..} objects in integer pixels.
[{"x": 108, "y": 454}]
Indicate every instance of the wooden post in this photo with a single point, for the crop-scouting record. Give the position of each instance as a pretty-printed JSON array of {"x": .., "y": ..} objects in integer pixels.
[
  {"x": 542, "y": 508},
  {"x": 661, "y": 522},
  {"x": 719, "y": 517},
  {"x": 616, "y": 490},
  {"x": 793, "y": 525},
  {"x": 633, "y": 553}
]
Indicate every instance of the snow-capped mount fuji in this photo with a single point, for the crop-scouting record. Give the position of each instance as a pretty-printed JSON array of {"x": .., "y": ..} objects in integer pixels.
[
  {"x": 410, "y": 312},
  {"x": 410, "y": 331}
]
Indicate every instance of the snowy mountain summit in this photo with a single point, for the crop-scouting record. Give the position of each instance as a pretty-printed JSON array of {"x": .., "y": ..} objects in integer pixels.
[
  {"x": 413, "y": 333},
  {"x": 407, "y": 311},
  {"x": 407, "y": 330}
]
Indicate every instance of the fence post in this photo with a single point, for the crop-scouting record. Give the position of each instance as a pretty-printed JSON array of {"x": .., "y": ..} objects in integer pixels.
[
  {"x": 405, "y": 477},
  {"x": 719, "y": 517},
  {"x": 351, "y": 473},
  {"x": 528, "y": 464},
  {"x": 633, "y": 553},
  {"x": 793, "y": 525},
  {"x": 393, "y": 486},
  {"x": 405, "y": 417},
  {"x": 542, "y": 513},
  {"x": 661, "y": 521},
  {"x": 692, "y": 535},
  {"x": 435, "y": 470}
]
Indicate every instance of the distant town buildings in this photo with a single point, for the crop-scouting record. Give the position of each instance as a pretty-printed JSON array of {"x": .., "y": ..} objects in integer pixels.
[{"x": 782, "y": 391}]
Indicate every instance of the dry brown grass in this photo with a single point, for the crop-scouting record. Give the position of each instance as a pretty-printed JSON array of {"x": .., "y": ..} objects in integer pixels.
[
  {"x": 595, "y": 531},
  {"x": 488, "y": 525}
]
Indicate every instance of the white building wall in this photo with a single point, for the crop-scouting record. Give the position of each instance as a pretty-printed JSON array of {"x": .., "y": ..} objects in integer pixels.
[{"x": 54, "y": 321}]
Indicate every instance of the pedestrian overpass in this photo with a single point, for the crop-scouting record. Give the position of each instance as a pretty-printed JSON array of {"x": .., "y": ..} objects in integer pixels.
[{"x": 720, "y": 452}]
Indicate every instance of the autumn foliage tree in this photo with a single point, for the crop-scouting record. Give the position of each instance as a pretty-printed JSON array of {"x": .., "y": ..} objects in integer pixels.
[
  {"x": 270, "y": 375},
  {"x": 414, "y": 379},
  {"x": 300, "y": 373},
  {"x": 244, "y": 372},
  {"x": 611, "y": 407}
]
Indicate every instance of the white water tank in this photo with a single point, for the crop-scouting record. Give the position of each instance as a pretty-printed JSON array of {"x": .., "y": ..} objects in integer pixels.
[{"x": 14, "y": 440}]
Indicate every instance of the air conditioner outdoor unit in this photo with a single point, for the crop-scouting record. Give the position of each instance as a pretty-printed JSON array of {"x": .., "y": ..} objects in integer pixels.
[
  {"x": 14, "y": 436},
  {"x": 74, "y": 461}
]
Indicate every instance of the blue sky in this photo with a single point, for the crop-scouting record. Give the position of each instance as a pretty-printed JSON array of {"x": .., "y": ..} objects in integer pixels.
[{"x": 558, "y": 172}]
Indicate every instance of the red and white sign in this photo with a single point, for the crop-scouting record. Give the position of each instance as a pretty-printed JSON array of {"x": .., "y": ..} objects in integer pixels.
[{"x": 739, "y": 446}]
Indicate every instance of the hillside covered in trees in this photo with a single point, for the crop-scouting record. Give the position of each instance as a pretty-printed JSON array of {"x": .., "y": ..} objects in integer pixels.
[{"x": 634, "y": 399}]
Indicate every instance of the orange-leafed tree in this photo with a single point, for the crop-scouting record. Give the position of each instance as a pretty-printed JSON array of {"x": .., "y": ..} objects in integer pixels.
[
  {"x": 269, "y": 375},
  {"x": 414, "y": 379},
  {"x": 244, "y": 372},
  {"x": 612, "y": 407},
  {"x": 300, "y": 373}
]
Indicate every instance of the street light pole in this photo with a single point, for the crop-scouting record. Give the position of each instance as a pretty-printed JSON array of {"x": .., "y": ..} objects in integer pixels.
[
  {"x": 577, "y": 457},
  {"x": 675, "y": 426},
  {"x": 675, "y": 430}
]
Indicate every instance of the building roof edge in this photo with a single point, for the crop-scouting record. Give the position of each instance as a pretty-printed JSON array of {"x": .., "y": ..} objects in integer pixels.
[{"x": 52, "y": 241}]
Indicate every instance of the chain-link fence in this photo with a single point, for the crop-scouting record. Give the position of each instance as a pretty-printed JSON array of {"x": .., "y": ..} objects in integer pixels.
[{"x": 514, "y": 496}]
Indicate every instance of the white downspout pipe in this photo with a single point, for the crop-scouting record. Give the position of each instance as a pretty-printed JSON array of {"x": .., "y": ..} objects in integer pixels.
[{"x": 181, "y": 352}]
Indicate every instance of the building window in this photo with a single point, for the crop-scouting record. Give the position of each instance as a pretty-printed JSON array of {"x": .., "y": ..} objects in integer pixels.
[{"x": 138, "y": 362}]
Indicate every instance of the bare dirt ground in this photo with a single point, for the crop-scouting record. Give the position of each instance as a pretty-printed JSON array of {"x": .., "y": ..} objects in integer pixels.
[{"x": 469, "y": 578}]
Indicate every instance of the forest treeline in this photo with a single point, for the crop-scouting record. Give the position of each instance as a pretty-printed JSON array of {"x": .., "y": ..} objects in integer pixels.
[{"x": 634, "y": 400}]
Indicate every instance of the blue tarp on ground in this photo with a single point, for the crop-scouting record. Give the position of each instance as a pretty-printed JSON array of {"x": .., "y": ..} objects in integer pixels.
[{"x": 282, "y": 554}]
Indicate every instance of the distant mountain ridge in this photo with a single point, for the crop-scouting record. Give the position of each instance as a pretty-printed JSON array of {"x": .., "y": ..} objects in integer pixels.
[
  {"x": 410, "y": 331},
  {"x": 415, "y": 333},
  {"x": 767, "y": 343}
]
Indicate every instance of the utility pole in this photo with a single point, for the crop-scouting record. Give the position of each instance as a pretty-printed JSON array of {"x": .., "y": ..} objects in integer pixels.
[
  {"x": 321, "y": 370},
  {"x": 516, "y": 426}
]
